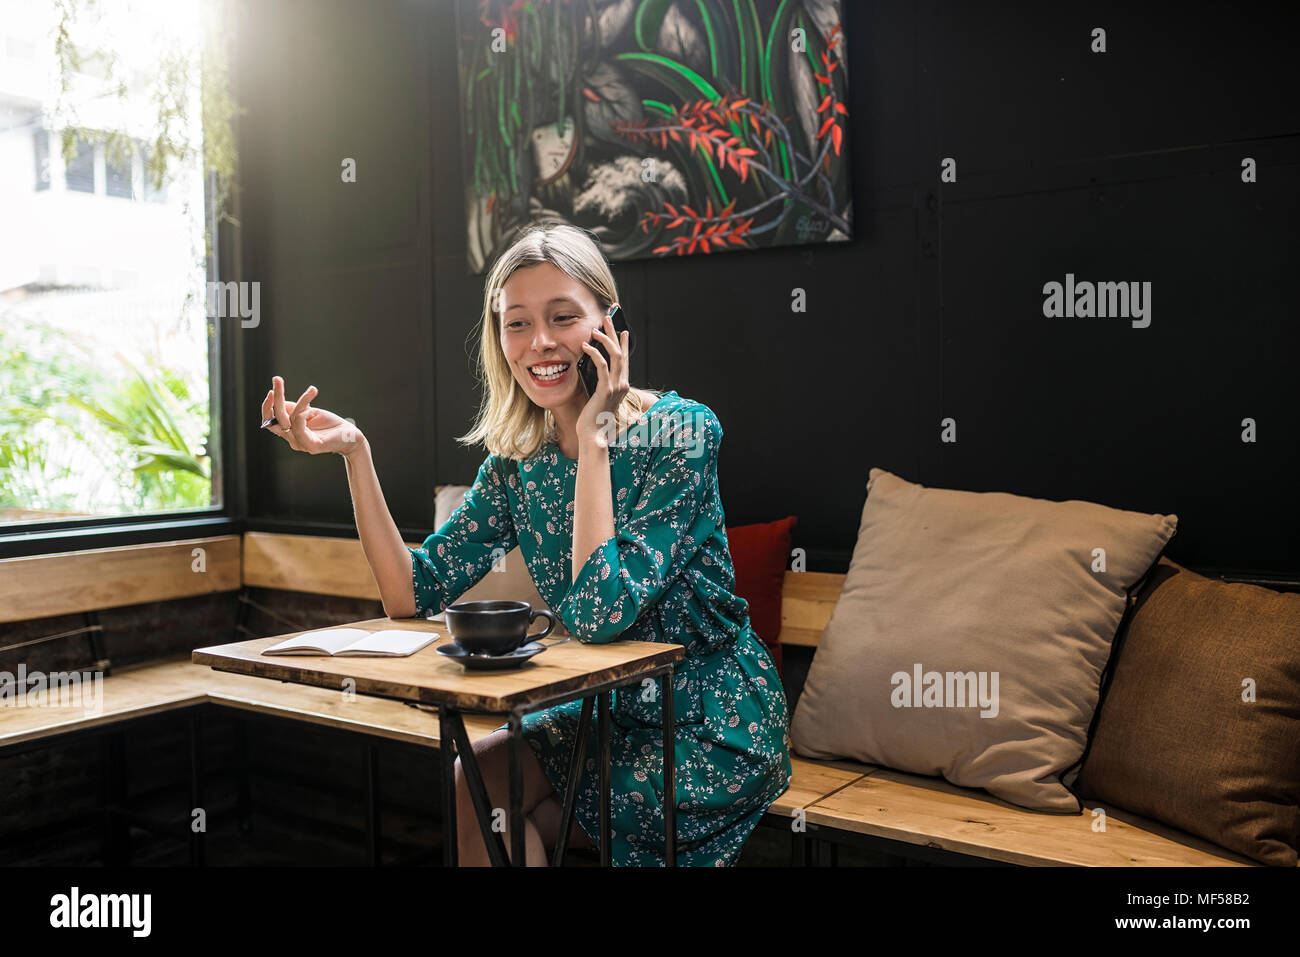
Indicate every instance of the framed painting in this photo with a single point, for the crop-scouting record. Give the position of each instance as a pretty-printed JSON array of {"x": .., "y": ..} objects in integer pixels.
[{"x": 666, "y": 127}]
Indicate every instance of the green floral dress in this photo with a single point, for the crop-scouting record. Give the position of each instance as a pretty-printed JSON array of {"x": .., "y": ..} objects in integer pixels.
[{"x": 666, "y": 575}]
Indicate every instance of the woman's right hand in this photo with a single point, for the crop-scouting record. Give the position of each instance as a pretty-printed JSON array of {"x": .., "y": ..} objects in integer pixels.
[{"x": 307, "y": 429}]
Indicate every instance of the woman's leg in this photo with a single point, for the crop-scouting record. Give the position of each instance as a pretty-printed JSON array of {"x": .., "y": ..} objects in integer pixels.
[
  {"x": 546, "y": 816},
  {"x": 493, "y": 756}
]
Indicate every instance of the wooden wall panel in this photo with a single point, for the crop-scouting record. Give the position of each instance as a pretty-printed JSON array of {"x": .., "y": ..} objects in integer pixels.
[
  {"x": 807, "y": 600},
  {"x": 309, "y": 563},
  {"x": 40, "y": 586}
]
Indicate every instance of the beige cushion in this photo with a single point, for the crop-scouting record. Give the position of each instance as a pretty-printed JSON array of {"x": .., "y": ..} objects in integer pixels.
[
  {"x": 989, "y": 592},
  {"x": 512, "y": 583}
]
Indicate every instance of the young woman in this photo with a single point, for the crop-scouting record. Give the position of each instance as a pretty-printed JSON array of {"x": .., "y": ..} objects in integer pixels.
[{"x": 623, "y": 539}]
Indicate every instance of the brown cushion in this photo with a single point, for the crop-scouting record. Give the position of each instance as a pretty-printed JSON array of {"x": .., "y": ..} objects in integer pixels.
[
  {"x": 969, "y": 588},
  {"x": 1175, "y": 741}
]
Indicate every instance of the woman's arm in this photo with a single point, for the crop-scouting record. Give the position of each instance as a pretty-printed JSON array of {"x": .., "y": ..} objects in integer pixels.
[
  {"x": 619, "y": 576},
  {"x": 593, "y": 502},
  {"x": 593, "y": 506},
  {"x": 318, "y": 431},
  {"x": 411, "y": 580},
  {"x": 390, "y": 561},
  {"x": 475, "y": 538}
]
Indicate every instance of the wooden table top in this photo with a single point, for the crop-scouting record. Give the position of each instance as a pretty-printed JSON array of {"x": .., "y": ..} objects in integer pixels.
[{"x": 431, "y": 678}]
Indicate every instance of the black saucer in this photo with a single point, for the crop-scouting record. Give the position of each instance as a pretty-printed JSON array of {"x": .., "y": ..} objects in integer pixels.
[{"x": 511, "y": 659}]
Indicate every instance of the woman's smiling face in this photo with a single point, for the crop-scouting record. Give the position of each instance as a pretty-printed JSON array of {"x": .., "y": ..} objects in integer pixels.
[{"x": 547, "y": 315}]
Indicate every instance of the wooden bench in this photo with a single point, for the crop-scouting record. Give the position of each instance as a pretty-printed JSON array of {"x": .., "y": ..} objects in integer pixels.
[
  {"x": 839, "y": 802},
  {"x": 90, "y": 581},
  {"x": 143, "y": 690},
  {"x": 188, "y": 691},
  {"x": 845, "y": 802}
]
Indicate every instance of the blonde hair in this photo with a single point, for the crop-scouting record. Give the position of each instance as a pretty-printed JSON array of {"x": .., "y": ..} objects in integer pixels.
[{"x": 509, "y": 423}]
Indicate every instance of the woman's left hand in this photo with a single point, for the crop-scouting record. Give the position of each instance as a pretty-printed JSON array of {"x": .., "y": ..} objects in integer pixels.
[{"x": 611, "y": 387}]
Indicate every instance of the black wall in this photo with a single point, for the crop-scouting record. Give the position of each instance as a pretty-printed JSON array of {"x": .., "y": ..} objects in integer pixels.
[{"x": 1122, "y": 166}]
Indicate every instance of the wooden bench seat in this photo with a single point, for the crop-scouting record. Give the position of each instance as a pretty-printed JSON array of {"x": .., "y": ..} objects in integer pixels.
[
  {"x": 154, "y": 688},
  {"x": 841, "y": 795},
  {"x": 860, "y": 799},
  {"x": 812, "y": 781},
  {"x": 839, "y": 798},
  {"x": 126, "y": 695},
  {"x": 931, "y": 812},
  {"x": 177, "y": 685}
]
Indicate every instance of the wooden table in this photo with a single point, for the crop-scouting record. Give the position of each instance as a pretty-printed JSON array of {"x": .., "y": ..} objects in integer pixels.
[{"x": 566, "y": 671}]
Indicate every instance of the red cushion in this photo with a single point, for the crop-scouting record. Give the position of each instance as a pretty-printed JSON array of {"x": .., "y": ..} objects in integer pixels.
[{"x": 760, "y": 555}]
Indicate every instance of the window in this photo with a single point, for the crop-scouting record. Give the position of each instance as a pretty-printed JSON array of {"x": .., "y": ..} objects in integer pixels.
[
  {"x": 106, "y": 375},
  {"x": 152, "y": 195},
  {"x": 41, "y": 143},
  {"x": 80, "y": 174},
  {"x": 118, "y": 177}
]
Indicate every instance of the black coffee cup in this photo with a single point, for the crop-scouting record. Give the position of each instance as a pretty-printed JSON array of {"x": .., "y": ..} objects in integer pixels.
[{"x": 496, "y": 627}]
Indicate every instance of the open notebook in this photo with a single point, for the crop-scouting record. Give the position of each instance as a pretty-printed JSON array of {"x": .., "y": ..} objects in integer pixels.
[{"x": 355, "y": 643}]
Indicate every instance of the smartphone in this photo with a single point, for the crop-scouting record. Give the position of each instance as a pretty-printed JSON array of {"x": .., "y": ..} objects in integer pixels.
[{"x": 587, "y": 370}]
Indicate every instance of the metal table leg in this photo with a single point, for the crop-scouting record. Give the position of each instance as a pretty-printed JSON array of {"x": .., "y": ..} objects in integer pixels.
[
  {"x": 602, "y": 735},
  {"x": 516, "y": 729},
  {"x": 571, "y": 785},
  {"x": 496, "y": 846},
  {"x": 454, "y": 740},
  {"x": 670, "y": 770},
  {"x": 447, "y": 748}
]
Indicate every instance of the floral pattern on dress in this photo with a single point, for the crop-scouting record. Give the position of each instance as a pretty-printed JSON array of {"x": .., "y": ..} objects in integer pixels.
[{"x": 665, "y": 575}]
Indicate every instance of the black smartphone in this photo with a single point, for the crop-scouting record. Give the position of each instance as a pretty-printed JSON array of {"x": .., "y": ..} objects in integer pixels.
[{"x": 587, "y": 370}]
